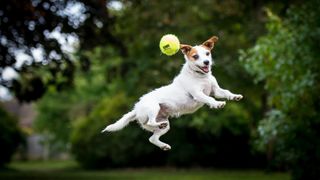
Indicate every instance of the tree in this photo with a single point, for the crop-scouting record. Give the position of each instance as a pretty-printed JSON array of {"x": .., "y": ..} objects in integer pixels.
[
  {"x": 26, "y": 25},
  {"x": 10, "y": 138},
  {"x": 140, "y": 24},
  {"x": 59, "y": 109},
  {"x": 286, "y": 60}
]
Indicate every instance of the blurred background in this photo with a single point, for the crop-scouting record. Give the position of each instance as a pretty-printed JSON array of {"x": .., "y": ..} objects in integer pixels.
[{"x": 70, "y": 67}]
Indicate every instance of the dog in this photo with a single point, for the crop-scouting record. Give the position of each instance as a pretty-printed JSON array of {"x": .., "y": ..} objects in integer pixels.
[{"x": 188, "y": 92}]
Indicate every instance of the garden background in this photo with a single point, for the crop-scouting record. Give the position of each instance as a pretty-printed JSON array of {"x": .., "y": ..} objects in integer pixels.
[{"x": 68, "y": 68}]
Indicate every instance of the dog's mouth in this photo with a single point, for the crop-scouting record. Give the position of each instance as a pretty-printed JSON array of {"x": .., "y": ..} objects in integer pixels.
[{"x": 204, "y": 69}]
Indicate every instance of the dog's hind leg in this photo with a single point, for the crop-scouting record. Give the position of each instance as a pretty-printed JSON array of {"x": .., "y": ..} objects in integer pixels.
[
  {"x": 154, "y": 139},
  {"x": 152, "y": 113}
]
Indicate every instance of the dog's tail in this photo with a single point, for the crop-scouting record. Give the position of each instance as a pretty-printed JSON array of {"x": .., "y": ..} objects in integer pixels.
[{"x": 121, "y": 123}]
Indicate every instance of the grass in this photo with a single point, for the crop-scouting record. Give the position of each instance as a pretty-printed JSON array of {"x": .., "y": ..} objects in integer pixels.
[{"x": 71, "y": 170}]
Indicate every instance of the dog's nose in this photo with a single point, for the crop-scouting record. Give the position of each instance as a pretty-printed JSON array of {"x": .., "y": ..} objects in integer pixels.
[{"x": 206, "y": 62}]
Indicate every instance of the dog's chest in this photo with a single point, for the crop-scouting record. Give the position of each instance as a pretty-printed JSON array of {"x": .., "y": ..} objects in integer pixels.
[
  {"x": 206, "y": 86},
  {"x": 190, "y": 104}
]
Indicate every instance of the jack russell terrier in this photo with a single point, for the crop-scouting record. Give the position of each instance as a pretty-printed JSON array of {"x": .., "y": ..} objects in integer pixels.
[{"x": 189, "y": 91}]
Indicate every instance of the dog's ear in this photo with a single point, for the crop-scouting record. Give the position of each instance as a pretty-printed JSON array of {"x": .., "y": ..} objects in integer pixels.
[
  {"x": 185, "y": 48},
  {"x": 210, "y": 42}
]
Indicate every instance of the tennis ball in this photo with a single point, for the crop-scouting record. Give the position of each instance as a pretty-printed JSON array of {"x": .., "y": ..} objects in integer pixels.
[{"x": 169, "y": 44}]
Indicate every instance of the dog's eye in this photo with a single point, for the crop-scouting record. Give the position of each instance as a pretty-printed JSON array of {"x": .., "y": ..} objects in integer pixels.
[
  {"x": 207, "y": 53},
  {"x": 195, "y": 56}
]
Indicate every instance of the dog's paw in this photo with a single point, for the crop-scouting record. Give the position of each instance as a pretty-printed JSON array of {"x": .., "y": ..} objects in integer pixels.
[
  {"x": 218, "y": 104},
  {"x": 237, "y": 97},
  {"x": 221, "y": 104},
  {"x": 163, "y": 125},
  {"x": 166, "y": 147}
]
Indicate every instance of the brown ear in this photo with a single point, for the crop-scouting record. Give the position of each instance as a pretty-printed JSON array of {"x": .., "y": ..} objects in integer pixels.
[
  {"x": 185, "y": 48},
  {"x": 210, "y": 42}
]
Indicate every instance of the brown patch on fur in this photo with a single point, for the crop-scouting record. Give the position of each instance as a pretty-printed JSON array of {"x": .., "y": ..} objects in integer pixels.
[
  {"x": 209, "y": 44},
  {"x": 185, "y": 48},
  {"x": 189, "y": 51},
  {"x": 206, "y": 47}
]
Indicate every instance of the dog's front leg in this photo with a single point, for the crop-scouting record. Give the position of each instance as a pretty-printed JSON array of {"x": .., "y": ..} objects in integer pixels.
[
  {"x": 211, "y": 102},
  {"x": 223, "y": 93},
  {"x": 218, "y": 92}
]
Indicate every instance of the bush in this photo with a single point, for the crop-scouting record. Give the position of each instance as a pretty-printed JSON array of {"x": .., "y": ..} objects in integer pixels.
[
  {"x": 131, "y": 148},
  {"x": 94, "y": 149},
  {"x": 286, "y": 60},
  {"x": 10, "y": 137}
]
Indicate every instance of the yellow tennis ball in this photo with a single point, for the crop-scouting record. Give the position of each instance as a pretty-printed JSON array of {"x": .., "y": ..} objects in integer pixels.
[{"x": 169, "y": 44}]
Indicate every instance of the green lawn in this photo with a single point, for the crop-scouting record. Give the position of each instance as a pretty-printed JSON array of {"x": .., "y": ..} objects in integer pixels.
[{"x": 70, "y": 170}]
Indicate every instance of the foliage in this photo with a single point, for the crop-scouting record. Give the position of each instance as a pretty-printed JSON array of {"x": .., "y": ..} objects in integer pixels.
[
  {"x": 286, "y": 61},
  {"x": 27, "y": 25},
  {"x": 59, "y": 109},
  {"x": 109, "y": 151},
  {"x": 140, "y": 24},
  {"x": 10, "y": 138},
  {"x": 131, "y": 148}
]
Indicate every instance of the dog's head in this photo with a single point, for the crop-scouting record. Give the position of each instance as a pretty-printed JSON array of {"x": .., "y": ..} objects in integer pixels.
[{"x": 199, "y": 57}]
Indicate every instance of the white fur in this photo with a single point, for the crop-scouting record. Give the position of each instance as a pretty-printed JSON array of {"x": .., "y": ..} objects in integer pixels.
[{"x": 188, "y": 92}]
